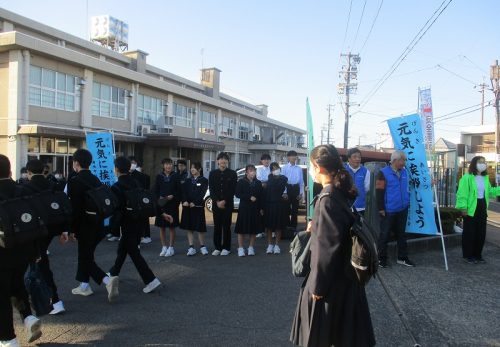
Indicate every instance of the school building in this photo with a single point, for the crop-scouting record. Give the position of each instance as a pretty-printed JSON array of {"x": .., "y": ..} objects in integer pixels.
[{"x": 56, "y": 87}]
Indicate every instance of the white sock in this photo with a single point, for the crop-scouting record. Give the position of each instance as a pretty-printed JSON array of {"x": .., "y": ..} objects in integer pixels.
[
  {"x": 105, "y": 280},
  {"x": 84, "y": 285}
]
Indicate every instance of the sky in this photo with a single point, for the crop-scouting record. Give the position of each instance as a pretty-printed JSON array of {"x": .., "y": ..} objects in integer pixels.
[{"x": 281, "y": 52}]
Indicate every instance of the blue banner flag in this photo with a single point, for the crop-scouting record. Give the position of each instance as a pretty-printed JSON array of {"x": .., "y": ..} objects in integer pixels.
[
  {"x": 103, "y": 156},
  {"x": 407, "y": 135},
  {"x": 310, "y": 146}
]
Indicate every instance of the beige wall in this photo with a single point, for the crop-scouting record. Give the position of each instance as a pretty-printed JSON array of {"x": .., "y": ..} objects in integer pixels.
[
  {"x": 3, "y": 145},
  {"x": 110, "y": 123},
  {"x": 4, "y": 97},
  {"x": 112, "y": 81},
  {"x": 152, "y": 93},
  {"x": 56, "y": 66},
  {"x": 54, "y": 117},
  {"x": 184, "y": 132}
]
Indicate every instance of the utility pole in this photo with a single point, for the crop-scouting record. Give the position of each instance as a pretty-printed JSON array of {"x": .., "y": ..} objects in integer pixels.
[
  {"x": 483, "y": 86},
  {"x": 329, "y": 125},
  {"x": 494, "y": 77},
  {"x": 349, "y": 73}
]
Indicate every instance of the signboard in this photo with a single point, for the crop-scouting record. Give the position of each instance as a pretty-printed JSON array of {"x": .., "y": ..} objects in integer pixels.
[
  {"x": 426, "y": 115},
  {"x": 103, "y": 156}
]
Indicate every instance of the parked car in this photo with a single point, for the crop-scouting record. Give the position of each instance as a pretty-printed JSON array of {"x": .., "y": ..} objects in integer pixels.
[{"x": 240, "y": 174}]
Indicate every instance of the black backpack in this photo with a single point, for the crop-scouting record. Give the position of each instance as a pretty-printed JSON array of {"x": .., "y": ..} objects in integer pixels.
[
  {"x": 21, "y": 221},
  {"x": 100, "y": 202},
  {"x": 140, "y": 202},
  {"x": 57, "y": 210},
  {"x": 301, "y": 254},
  {"x": 364, "y": 253}
]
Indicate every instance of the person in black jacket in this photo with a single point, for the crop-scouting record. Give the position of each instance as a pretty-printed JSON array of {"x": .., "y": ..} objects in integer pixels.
[
  {"x": 193, "y": 210},
  {"x": 131, "y": 228},
  {"x": 24, "y": 176},
  {"x": 144, "y": 182},
  {"x": 276, "y": 208},
  {"x": 38, "y": 183},
  {"x": 182, "y": 170},
  {"x": 222, "y": 185},
  {"x": 249, "y": 191},
  {"x": 332, "y": 308},
  {"x": 13, "y": 265},
  {"x": 86, "y": 230},
  {"x": 168, "y": 191}
]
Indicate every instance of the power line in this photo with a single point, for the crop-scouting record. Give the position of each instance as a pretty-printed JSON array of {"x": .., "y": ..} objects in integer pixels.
[
  {"x": 462, "y": 114},
  {"x": 475, "y": 65},
  {"x": 455, "y": 74},
  {"x": 346, "y": 28},
  {"x": 407, "y": 50},
  {"x": 359, "y": 25},
  {"x": 371, "y": 28},
  {"x": 457, "y": 111}
]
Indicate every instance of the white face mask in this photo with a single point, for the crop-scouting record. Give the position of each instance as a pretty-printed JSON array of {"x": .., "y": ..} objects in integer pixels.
[
  {"x": 24, "y": 175},
  {"x": 133, "y": 167},
  {"x": 277, "y": 172},
  {"x": 481, "y": 167},
  {"x": 57, "y": 176}
]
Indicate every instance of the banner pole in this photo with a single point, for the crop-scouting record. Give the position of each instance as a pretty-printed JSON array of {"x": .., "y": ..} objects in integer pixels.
[{"x": 440, "y": 228}]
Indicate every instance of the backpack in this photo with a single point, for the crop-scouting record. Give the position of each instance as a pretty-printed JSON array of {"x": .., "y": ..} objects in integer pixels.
[
  {"x": 21, "y": 221},
  {"x": 140, "y": 202},
  {"x": 364, "y": 253},
  {"x": 301, "y": 254},
  {"x": 57, "y": 210},
  {"x": 100, "y": 202}
]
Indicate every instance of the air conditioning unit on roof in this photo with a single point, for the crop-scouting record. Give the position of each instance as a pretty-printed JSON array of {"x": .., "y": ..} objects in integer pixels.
[{"x": 143, "y": 129}]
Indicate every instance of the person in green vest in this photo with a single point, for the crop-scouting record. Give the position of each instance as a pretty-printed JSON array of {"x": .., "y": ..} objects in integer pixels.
[{"x": 474, "y": 192}]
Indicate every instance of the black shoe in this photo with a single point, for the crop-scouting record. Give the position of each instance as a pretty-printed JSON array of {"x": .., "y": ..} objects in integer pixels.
[
  {"x": 480, "y": 260},
  {"x": 405, "y": 262},
  {"x": 470, "y": 260},
  {"x": 382, "y": 263}
]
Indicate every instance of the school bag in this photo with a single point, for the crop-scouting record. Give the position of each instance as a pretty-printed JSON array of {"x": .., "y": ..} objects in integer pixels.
[
  {"x": 57, "y": 210},
  {"x": 140, "y": 202},
  {"x": 100, "y": 202},
  {"x": 38, "y": 290},
  {"x": 364, "y": 253},
  {"x": 301, "y": 254},
  {"x": 21, "y": 221}
]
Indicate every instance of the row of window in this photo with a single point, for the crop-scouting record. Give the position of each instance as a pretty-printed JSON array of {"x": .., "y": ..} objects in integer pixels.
[{"x": 57, "y": 90}]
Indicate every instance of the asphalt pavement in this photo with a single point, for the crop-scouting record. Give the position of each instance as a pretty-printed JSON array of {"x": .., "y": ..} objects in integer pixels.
[{"x": 232, "y": 301}]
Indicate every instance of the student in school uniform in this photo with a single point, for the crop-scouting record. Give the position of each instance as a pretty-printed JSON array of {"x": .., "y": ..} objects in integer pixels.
[
  {"x": 131, "y": 228},
  {"x": 263, "y": 175},
  {"x": 249, "y": 191},
  {"x": 275, "y": 208},
  {"x": 13, "y": 264},
  {"x": 193, "y": 210},
  {"x": 145, "y": 182},
  {"x": 295, "y": 187},
  {"x": 182, "y": 170},
  {"x": 168, "y": 191}
]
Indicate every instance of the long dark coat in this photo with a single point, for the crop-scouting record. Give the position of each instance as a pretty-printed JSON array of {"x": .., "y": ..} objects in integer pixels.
[
  {"x": 342, "y": 317},
  {"x": 249, "y": 217},
  {"x": 193, "y": 191},
  {"x": 166, "y": 185},
  {"x": 275, "y": 208}
]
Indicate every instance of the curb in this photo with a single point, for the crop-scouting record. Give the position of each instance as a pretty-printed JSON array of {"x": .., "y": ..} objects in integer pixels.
[
  {"x": 425, "y": 244},
  {"x": 493, "y": 223}
]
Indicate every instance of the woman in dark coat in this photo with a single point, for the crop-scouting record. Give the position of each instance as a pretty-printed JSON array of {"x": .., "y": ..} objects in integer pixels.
[
  {"x": 168, "y": 191},
  {"x": 249, "y": 191},
  {"x": 332, "y": 308},
  {"x": 193, "y": 210},
  {"x": 275, "y": 210}
]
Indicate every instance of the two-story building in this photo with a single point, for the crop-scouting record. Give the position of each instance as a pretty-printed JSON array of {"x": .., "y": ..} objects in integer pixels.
[{"x": 55, "y": 87}]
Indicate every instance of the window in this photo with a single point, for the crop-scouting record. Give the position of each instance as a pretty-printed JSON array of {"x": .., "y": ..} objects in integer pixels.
[
  {"x": 244, "y": 160},
  {"x": 207, "y": 123},
  {"x": 256, "y": 133},
  {"x": 243, "y": 130},
  {"x": 150, "y": 110},
  {"x": 183, "y": 115},
  {"x": 227, "y": 127},
  {"x": 53, "y": 89},
  {"x": 108, "y": 101}
]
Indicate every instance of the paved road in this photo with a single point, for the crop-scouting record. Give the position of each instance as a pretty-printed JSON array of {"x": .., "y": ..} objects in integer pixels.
[{"x": 231, "y": 301}]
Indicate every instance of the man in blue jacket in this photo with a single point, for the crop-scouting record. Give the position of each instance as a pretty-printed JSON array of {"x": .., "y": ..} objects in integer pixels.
[
  {"x": 360, "y": 176},
  {"x": 393, "y": 200}
]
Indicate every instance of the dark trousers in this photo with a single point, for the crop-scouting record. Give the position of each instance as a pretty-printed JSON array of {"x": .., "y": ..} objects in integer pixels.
[
  {"x": 393, "y": 222},
  {"x": 222, "y": 227},
  {"x": 44, "y": 266},
  {"x": 129, "y": 245},
  {"x": 12, "y": 286},
  {"x": 87, "y": 267},
  {"x": 146, "y": 231},
  {"x": 293, "y": 191},
  {"x": 474, "y": 233}
]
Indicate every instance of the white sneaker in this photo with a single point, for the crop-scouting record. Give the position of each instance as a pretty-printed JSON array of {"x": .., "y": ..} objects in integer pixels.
[
  {"x": 216, "y": 252},
  {"x": 191, "y": 251},
  {"x": 114, "y": 238},
  {"x": 251, "y": 251},
  {"x": 204, "y": 250},
  {"x": 80, "y": 291},
  {"x": 146, "y": 240},
  {"x": 260, "y": 235},
  {"x": 273, "y": 235},
  {"x": 57, "y": 308},
  {"x": 170, "y": 252},
  {"x": 33, "y": 326},
  {"x": 112, "y": 288},
  {"x": 108, "y": 235},
  {"x": 241, "y": 252},
  {"x": 277, "y": 249},
  {"x": 163, "y": 251},
  {"x": 225, "y": 252},
  {"x": 152, "y": 286},
  {"x": 48, "y": 252},
  {"x": 11, "y": 343},
  {"x": 270, "y": 249}
]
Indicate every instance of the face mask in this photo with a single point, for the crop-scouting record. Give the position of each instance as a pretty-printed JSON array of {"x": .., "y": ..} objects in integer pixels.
[
  {"x": 24, "y": 175},
  {"x": 58, "y": 176},
  {"x": 276, "y": 172},
  {"x": 481, "y": 167},
  {"x": 133, "y": 167}
]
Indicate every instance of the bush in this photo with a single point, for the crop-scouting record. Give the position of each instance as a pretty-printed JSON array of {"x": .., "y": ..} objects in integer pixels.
[{"x": 449, "y": 217}]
